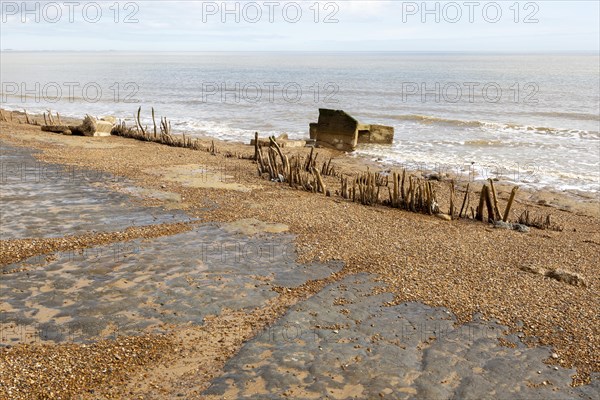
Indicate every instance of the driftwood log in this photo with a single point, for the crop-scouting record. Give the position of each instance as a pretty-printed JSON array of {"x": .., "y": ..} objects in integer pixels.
[{"x": 62, "y": 129}]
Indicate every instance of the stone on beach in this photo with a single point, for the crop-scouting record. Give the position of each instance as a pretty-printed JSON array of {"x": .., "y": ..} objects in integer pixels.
[
  {"x": 445, "y": 217},
  {"x": 507, "y": 225},
  {"x": 559, "y": 274}
]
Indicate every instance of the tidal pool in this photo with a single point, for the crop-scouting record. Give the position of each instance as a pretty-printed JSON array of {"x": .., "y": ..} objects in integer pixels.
[
  {"x": 49, "y": 200},
  {"x": 127, "y": 287},
  {"x": 345, "y": 342}
]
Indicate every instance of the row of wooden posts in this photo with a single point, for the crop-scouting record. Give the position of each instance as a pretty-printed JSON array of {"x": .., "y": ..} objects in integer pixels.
[
  {"x": 50, "y": 120},
  {"x": 405, "y": 191},
  {"x": 299, "y": 171},
  {"x": 160, "y": 133},
  {"x": 302, "y": 172},
  {"x": 27, "y": 120}
]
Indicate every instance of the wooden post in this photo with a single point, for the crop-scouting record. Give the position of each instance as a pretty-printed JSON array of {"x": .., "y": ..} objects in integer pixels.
[
  {"x": 479, "y": 215},
  {"x": 139, "y": 121},
  {"x": 274, "y": 143},
  {"x": 270, "y": 166},
  {"x": 509, "y": 205},
  {"x": 402, "y": 186},
  {"x": 465, "y": 202},
  {"x": 308, "y": 164},
  {"x": 154, "y": 121},
  {"x": 394, "y": 199},
  {"x": 255, "y": 146},
  {"x": 490, "y": 207},
  {"x": 497, "y": 215},
  {"x": 409, "y": 194},
  {"x": 261, "y": 161},
  {"x": 428, "y": 198},
  {"x": 451, "y": 199}
]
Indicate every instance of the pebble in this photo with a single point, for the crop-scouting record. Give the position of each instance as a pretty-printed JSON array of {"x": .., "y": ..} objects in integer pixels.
[
  {"x": 502, "y": 225},
  {"x": 521, "y": 228}
]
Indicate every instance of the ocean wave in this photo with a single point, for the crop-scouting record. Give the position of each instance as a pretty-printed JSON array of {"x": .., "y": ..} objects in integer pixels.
[
  {"x": 485, "y": 142},
  {"x": 224, "y": 131},
  {"x": 566, "y": 115},
  {"x": 535, "y": 173},
  {"x": 427, "y": 119},
  {"x": 431, "y": 120}
]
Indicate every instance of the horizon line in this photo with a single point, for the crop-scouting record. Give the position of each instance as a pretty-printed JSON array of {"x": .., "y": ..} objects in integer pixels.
[{"x": 307, "y": 51}]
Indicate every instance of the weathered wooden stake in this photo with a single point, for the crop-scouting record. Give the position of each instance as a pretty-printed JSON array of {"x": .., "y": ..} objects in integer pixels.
[
  {"x": 465, "y": 202},
  {"x": 490, "y": 206},
  {"x": 154, "y": 121},
  {"x": 509, "y": 205},
  {"x": 255, "y": 146},
  {"x": 479, "y": 215},
  {"x": 322, "y": 187},
  {"x": 452, "y": 190},
  {"x": 497, "y": 214}
]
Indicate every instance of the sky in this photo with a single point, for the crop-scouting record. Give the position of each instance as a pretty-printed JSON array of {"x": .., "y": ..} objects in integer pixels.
[{"x": 271, "y": 25}]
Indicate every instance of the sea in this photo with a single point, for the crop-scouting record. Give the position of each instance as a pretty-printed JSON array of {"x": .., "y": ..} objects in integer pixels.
[{"x": 531, "y": 119}]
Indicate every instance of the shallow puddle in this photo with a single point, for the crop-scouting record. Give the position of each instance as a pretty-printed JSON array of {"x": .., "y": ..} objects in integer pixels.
[
  {"x": 50, "y": 200},
  {"x": 345, "y": 343},
  {"x": 127, "y": 287}
]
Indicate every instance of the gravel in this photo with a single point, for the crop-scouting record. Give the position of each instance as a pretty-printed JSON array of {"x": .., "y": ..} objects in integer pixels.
[{"x": 465, "y": 266}]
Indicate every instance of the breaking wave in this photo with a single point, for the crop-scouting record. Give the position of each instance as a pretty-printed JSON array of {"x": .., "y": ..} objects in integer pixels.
[{"x": 431, "y": 120}]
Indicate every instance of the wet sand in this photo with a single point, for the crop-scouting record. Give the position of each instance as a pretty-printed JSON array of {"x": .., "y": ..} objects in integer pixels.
[
  {"x": 218, "y": 305},
  {"x": 345, "y": 343}
]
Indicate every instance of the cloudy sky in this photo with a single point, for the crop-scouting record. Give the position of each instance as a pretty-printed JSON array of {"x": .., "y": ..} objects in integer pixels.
[{"x": 270, "y": 25}]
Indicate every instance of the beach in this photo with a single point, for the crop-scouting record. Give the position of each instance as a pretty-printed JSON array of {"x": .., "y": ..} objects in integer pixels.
[{"x": 196, "y": 317}]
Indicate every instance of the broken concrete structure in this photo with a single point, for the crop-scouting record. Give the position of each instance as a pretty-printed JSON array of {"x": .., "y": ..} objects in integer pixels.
[
  {"x": 89, "y": 127},
  {"x": 341, "y": 131},
  {"x": 93, "y": 127}
]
